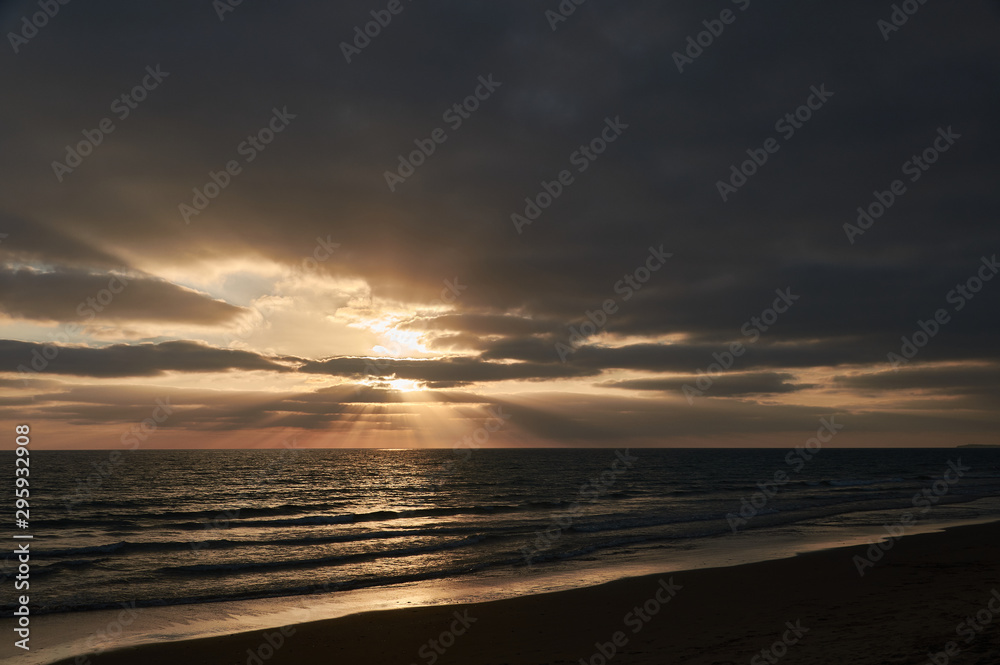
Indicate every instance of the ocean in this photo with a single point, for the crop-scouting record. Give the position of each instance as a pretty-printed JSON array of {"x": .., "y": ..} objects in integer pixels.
[{"x": 154, "y": 528}]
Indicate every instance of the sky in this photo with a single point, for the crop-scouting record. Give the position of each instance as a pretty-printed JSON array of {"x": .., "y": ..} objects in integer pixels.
[{"x": 476, "y": 224}]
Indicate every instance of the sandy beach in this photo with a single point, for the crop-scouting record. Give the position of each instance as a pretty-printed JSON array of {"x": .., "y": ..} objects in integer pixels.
[{"x": 935, "y": 593}]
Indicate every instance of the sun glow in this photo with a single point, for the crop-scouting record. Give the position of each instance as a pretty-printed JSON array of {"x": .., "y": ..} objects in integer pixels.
[
  {"x": 404, "y": 385},
  {"x": 396, "y": 341}
]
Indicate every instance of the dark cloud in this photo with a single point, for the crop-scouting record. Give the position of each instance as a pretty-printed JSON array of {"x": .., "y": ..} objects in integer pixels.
[
  {"x": 726, "y": 385},
  {"x": 80, "y": 296},
  {"x": 954, "y": 380},
  {"x": 121, "y": 360},
  {"x": 484, "y": 324},
  {"x": 34, "y": 384},
  {"x": 556, "y": 418},
  {"x": 449, "y": 223},
  {"x": 39, "y": 243},
  {"x": 774, "y": 353},
  {"x": 235, "y": 409},
  {"x": 451, "y": 219},
  {"x": 446, "y": 371}
]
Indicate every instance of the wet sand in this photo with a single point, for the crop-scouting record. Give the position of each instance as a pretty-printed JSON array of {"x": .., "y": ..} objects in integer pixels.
[{"x": 922, "y": 597}]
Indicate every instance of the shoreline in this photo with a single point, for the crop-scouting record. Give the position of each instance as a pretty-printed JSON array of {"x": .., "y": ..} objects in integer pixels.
[{"x": 717, "y": 594}]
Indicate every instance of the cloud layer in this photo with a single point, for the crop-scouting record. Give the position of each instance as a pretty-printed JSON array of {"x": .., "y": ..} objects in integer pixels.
[{"x": 303, "y": 272}]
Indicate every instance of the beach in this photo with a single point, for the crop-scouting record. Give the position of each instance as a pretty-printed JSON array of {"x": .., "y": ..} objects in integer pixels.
[
  {"x": 935, "y": 593},
  {"x": 500, "y": 333}
]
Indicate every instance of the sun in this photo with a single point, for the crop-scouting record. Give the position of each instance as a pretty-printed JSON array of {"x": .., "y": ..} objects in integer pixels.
[{"x": 404, "y": 385}]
